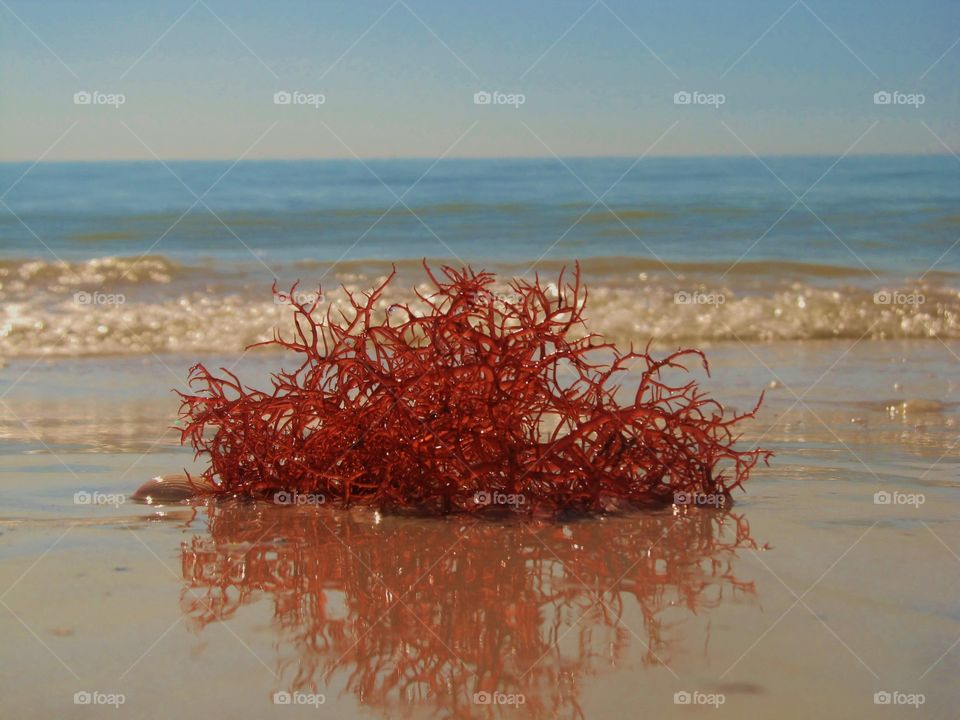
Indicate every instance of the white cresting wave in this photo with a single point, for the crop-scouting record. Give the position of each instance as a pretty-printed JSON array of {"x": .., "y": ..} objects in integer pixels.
[{"x": 127, "y": 306}]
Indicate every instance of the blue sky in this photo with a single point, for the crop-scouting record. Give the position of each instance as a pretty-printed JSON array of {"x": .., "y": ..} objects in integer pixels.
[{"x": 398, "y": 78}]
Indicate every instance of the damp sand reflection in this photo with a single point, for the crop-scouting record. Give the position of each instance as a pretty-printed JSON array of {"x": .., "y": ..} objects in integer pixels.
[{"x": 411, "y": 615}]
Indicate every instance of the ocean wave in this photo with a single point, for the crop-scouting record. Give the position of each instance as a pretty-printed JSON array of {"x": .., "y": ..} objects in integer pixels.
[
  {"x": 698, "y": 313},
  {"x": 618, "y": 269},
  {"x": 153, "y": 305},
  {"x": 26, "y": 277}
]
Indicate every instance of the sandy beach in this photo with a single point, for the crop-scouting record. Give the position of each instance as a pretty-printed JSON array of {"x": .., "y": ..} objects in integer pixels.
[{"x": 214, "y": 608}]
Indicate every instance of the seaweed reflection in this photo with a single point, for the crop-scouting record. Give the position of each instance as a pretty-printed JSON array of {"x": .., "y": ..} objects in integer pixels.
[{"x": 409, "y": 612}]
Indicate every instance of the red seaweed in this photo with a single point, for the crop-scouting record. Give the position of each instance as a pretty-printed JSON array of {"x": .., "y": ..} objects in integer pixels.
[{"x": 483, "y": 399}]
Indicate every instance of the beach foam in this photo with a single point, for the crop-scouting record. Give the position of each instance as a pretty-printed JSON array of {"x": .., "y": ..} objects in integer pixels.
[{"x": 115, "y": 305}]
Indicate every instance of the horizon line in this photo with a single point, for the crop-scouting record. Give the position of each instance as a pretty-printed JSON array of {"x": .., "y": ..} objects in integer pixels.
[{"x": 381, "y": 158}]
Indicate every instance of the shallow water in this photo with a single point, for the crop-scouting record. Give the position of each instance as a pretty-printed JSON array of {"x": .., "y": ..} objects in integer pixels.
[{"x": 803, "y": 599}]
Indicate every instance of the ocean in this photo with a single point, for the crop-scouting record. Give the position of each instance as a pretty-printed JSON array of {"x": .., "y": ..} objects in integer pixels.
[{"x": 106, "y": 258}]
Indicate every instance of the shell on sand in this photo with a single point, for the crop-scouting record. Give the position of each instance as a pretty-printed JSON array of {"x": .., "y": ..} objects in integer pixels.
[{"x": 165, "y": 489}]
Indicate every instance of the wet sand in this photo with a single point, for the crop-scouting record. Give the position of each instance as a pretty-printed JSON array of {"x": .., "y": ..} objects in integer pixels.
[{"x": 804, "y": 599}]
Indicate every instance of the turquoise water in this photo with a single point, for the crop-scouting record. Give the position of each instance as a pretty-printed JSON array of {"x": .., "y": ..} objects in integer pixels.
[{"x": 890, "y": 214}]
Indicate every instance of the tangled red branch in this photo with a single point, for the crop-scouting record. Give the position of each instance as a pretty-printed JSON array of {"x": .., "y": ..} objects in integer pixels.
[{"x": 482, "y": 397}]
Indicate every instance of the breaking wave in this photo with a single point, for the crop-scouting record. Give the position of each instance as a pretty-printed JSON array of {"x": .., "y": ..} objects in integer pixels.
[{"x": 152, "y": 304}]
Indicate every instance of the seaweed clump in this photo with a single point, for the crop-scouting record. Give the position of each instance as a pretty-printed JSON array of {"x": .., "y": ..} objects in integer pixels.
[{"x": 480, "y": 399}]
